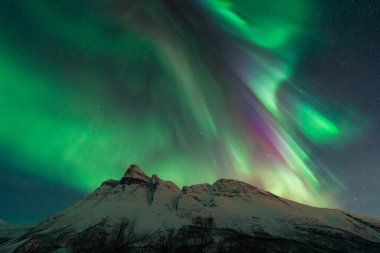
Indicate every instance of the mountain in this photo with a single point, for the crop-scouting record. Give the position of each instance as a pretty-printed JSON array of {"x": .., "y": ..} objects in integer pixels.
[
  {"x": 11, "y": 231},
  {"x": 147, "y": 214}
]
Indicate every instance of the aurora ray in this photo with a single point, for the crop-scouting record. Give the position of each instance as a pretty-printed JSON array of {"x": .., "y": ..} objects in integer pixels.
[{"x": 191, "y": 90}]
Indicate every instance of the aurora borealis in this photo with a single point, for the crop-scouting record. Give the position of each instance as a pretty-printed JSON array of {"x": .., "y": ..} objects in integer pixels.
[{"x": 191, "y": 90}]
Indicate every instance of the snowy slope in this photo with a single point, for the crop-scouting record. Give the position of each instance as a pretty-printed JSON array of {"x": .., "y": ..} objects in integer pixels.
[
  {"x": 10, "y": 231},
  {"x": 146, "y": 214}
]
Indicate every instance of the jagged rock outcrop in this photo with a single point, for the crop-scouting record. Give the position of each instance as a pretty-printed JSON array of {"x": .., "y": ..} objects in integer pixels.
[{"x": 139, "y": 213}]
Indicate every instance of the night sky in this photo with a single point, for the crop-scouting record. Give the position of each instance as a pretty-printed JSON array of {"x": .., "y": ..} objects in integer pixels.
[{"x": 284, "y": 95}]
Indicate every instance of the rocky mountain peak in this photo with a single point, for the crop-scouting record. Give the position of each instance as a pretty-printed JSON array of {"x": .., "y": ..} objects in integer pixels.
[
  {"x": 135, "y": 172},
  {"x": 234, "y": 186},
  {"x": 135, "y": 175}
]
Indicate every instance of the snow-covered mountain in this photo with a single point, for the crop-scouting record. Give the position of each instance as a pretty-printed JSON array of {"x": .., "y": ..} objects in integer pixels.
[
  {"x": 11, "y": 231},
  {"x": 146, "y": 214}
]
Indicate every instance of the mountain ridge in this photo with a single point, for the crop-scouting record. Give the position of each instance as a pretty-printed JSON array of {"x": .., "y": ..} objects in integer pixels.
[{"x": 148, "y": 214}]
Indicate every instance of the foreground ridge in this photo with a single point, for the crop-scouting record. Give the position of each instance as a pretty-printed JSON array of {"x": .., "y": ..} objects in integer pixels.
[{"x": 139, "y": 213}]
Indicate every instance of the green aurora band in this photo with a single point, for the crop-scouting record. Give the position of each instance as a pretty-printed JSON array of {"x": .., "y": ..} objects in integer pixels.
[{"x": 190, "y": 90}]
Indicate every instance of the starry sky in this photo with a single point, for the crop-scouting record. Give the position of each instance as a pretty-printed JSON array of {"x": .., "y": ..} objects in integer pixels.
[{"x": 284, "y": 95}]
